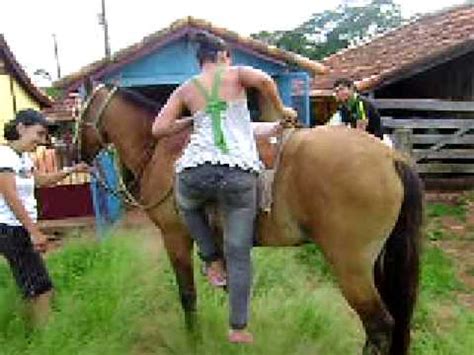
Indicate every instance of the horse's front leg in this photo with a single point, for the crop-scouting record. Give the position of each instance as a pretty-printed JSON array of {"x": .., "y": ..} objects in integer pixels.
[{"x": 179, "y": 247}]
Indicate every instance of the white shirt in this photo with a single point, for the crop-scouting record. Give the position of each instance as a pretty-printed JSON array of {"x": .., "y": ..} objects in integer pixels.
[
  {"x": 336, "y": 120},
  {"x": 22, "y": 167},
  {"x": 239, "y": 136}
]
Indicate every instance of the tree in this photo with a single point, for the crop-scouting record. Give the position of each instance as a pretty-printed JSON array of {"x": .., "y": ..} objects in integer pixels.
[{"x": 331, "y": 30}]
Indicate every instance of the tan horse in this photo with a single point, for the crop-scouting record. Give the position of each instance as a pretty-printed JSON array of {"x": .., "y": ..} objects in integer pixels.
[{"x": 337, "y": 187}]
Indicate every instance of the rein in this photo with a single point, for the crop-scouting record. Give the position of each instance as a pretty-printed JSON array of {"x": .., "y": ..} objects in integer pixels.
[{"x": 123, "y": 193}]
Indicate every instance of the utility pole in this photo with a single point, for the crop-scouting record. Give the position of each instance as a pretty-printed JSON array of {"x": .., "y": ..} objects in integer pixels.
[
  {"x": 103, "y": 22},
  {"x": 56, "y": 56}
]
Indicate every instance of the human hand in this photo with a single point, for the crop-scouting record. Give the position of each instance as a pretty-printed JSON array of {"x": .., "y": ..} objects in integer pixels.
[
  {"x": 81, "y": 168},
  {"x": 40, "y": 242},
  {"x": 290, "y": 118},
  {"x": 361, "y": 124},
  {"x": 289, "y": 113}
]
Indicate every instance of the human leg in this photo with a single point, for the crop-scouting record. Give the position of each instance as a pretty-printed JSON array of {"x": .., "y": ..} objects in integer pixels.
[{"x": 238, "y": 200}]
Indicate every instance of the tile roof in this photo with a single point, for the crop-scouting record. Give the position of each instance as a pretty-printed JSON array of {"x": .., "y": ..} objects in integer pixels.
[
  {"x": 180, "y": 28},
  {"x": 402, "y": 51},
  {"x": 17, "y": 71}
]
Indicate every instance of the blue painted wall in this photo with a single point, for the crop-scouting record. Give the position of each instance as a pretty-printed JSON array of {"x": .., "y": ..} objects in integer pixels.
[{"x": 171, "y": 64}]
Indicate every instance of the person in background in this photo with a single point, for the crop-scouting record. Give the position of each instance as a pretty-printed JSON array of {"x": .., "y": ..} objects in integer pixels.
[
  {"x": 355, "y": 110},
  {"x": 21, "y": 241}
]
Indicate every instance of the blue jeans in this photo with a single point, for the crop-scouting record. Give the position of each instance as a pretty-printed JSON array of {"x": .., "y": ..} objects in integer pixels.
[{"x": 235, "y": 193}]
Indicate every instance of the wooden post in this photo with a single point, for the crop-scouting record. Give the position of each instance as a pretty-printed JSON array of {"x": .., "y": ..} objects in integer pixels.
[{"x": 403, "y": 140}]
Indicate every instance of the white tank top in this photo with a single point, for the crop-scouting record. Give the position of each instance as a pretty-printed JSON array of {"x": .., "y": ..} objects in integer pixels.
[{"x": 238, "y": 134}]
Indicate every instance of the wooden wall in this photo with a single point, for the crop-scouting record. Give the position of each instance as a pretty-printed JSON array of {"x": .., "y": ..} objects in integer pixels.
[{"x": 453, "y": 80}]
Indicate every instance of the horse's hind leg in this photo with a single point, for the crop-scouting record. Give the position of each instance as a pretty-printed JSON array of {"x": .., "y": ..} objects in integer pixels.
[{"x": 355, "y": 277}]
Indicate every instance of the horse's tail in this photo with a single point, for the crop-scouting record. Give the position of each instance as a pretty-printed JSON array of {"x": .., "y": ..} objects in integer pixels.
[{"x": 397, "y": 267}]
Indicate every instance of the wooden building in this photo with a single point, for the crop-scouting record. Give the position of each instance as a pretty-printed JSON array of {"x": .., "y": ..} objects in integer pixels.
[{"x": 429, "y": 58}]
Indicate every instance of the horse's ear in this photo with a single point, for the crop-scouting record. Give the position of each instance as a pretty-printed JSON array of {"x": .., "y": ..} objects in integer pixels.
[{"x": 88, "y": 86}]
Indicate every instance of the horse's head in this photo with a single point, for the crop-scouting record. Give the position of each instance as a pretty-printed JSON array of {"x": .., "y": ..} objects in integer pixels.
[
  {"x": 119, "y": 116},
  {"x": 90, "y": 136}
]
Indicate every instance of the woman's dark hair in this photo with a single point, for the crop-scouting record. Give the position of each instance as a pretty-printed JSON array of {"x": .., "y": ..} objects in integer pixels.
[
  {"x": 28, "y": 117},
  {"x": 9, "y": 131},
  {"x": 208, "y": 46}
]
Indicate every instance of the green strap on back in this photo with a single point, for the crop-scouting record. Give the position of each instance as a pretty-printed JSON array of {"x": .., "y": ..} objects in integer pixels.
[{"x": 215, "y": 107}]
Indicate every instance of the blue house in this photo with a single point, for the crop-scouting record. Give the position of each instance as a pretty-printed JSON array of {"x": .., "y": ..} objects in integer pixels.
[{"x": 165, "y": 59}]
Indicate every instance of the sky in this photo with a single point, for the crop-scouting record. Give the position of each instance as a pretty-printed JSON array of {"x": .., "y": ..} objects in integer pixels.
[{"x": 29, "y": 25}]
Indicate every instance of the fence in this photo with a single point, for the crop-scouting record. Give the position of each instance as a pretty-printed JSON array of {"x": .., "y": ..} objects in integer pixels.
[{"x": 439, "y": 135}]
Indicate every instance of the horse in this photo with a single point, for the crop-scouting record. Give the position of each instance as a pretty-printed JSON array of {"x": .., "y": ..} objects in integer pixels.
[{"x": 340, "y": 188}]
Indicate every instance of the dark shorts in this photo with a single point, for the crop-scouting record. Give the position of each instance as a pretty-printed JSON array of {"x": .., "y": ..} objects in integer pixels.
[{"x": 26, "y": 264}]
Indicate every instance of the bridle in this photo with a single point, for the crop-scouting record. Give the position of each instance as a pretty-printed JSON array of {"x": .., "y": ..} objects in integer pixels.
[{"x": 95, "y": 123}]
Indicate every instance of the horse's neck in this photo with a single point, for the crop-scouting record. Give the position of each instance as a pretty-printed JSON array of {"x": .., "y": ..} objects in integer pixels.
[{"x": 133, "y": 142}]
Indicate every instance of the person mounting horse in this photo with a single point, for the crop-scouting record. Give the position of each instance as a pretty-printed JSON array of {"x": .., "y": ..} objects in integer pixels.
[{"x": 220, "y": 165}]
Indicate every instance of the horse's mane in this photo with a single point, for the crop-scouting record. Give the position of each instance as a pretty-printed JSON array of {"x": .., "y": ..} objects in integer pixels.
[
  {"x": 137, "y": 99},
  {"x": 141, "y": 100}
]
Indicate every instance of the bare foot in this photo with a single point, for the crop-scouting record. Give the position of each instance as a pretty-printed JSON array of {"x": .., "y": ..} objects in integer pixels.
[
  {"x": 216, "y": 274},
  {"x": 240, "y": 336}
]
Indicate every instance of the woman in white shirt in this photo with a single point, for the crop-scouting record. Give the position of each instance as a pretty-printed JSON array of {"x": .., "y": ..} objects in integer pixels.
[{"x": 21, "y": 241}]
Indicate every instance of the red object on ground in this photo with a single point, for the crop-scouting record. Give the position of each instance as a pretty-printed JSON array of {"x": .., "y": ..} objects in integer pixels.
[{"x": 64, "y": 201}]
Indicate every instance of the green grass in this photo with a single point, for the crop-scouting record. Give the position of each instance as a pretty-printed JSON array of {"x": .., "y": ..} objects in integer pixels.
[
  {"x": 100, "y": 290},
  {"x": 459, "y": 210},
  {"x": 292, "y": 313},
  {"x": 437, "y": 211},
  {"x": 441, "y": 325},
  {"x": 118, "y": 298},
  {"x": 438, "y": 277}
]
